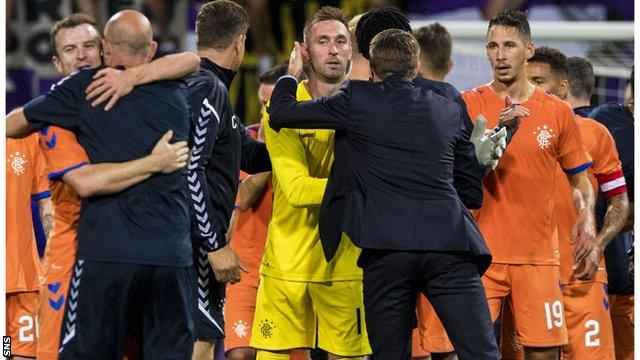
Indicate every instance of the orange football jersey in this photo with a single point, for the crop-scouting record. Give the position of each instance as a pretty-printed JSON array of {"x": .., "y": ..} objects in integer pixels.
[
  {"x": 607, "y": 167},
  {"x": 63, "y": 153},
  {"x": 250, "y": 230},
  {"x": 26, "y": 179},
  {"x": 518, "y": 217}
]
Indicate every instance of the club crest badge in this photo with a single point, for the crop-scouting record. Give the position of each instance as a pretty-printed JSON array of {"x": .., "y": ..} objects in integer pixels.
[
  {"x": 241, "y": 329},
  {"x": 17, "y": 162},
  {"x": 266, "y": 328},
  {"x": 544, "y": 135}
]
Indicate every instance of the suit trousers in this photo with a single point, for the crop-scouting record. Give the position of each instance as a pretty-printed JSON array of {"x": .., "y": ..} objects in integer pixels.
[{"x": 392, "y": 281}]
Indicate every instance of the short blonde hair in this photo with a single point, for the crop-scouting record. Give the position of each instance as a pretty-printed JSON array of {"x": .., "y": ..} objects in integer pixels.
[
  {"x": 353, "y": 23},
  {"x": 394, "y": 52},
  {"x": 325, "y": 13}
]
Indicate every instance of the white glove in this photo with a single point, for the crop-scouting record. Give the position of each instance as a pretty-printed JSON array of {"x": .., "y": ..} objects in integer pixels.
[
  {"x": 488, "y": 152},
  {"x": 499, "y": 139}
]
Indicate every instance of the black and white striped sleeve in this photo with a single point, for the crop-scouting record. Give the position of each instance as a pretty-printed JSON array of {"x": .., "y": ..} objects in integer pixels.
[{"x": 204, "y": 131}]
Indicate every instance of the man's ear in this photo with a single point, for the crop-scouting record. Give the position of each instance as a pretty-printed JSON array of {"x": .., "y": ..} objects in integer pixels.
[
  {"x": 57, "y": 63},
  {"x": 304, "y": 50},
  {"x": 564, "y": 89},
  {"x": 153, "y": 47},
  {"x": 106, "y": 50},
  {"x": 240, "y": 42},
  {"x": 530, "y": 51},
  {"x": 415, "y": 71}
]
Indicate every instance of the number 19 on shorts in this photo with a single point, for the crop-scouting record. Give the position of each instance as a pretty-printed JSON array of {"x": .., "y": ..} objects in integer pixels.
[{"x": 554, "y": 314}]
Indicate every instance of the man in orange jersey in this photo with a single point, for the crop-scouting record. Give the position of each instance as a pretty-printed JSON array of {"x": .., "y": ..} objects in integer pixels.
[
  {"x": 247, "y": 235},
  {"x": 518, "y": 217},
  {"x": 586, "y": 303},
  {"x": 26, "y": 180},
  {"x": 76, "y": 44},
  {"x": 617, "y": 117}
]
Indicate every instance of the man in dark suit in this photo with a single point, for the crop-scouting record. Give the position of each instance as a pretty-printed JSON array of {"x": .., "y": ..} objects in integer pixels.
[
  {"x": 340, "y": 182},
  {"x": 403, "y": 208}
]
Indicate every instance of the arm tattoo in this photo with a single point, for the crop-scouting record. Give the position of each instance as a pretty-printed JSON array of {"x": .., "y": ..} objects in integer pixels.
[{"x": 47, "y": 224}]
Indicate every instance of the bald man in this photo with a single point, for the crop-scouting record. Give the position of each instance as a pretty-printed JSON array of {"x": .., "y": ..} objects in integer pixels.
[
  {"x": 128, "y": 35},
  {"x": 132, "y": 270}
]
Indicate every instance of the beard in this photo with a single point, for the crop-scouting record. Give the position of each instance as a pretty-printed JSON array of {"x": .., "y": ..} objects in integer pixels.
[
  {"x": 507, "y": 81},
  {"x": 326, "y": 76}
]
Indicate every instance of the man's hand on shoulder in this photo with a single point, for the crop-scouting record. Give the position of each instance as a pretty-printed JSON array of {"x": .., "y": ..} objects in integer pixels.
[
  {"x": 226, "y": 265},
  {"x": 170, "y": 157},
  {"x": 110, "y": 84}
]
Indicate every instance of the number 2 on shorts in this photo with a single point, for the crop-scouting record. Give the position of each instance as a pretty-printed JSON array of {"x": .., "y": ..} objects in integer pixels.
[
  {"x": 26, "y": 323},
  {"x": 591, "y": 336}
]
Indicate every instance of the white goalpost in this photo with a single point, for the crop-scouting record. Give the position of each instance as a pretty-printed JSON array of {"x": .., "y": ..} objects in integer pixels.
[{"x": 608, "y": 45}]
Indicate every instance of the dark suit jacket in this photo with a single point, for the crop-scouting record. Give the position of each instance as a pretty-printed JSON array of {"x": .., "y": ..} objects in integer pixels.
[
  {"x": 399, "y": 148},
  {"x": 341, "y": 182},
  {"x": 465, "y": 175}
]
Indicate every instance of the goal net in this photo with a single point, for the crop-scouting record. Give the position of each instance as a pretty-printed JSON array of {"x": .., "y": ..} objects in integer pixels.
[{"x": 608, "y": 45}]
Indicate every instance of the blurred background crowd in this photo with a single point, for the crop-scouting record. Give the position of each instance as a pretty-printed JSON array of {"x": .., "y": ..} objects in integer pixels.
[{"x": 275, "y": 24}]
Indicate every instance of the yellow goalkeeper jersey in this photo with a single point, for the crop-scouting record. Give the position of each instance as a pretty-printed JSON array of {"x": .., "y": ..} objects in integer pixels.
[{"x": 301, "y": 161}]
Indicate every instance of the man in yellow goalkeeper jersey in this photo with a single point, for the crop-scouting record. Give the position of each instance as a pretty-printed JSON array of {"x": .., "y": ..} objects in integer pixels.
[{"x": 304, "y": 301}]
